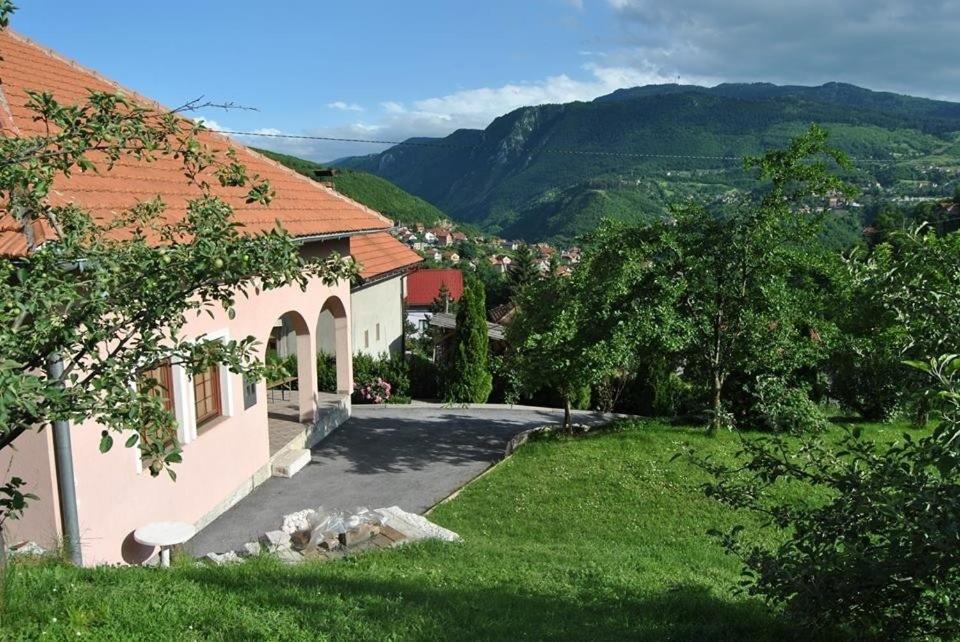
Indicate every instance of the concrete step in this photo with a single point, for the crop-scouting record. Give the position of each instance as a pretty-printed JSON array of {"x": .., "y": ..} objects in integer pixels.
[{"x": 289, "y": 463}]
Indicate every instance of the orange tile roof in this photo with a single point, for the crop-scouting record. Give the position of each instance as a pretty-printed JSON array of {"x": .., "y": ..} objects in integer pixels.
[
  {"x": 380, "y": 253},
  {"x": 302, "y": 206}
]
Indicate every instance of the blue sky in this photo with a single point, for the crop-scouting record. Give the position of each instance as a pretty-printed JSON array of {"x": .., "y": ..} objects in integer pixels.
[{"x": 392, "y": 69}]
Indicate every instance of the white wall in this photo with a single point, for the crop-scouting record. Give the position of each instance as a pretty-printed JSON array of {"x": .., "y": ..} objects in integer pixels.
[{"x": 380, "y": 303}]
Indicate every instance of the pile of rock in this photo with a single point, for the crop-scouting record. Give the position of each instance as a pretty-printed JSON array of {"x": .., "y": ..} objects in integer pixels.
[
  {"x": 26, "y": 549},
  {"x": 325, "y": 535}
]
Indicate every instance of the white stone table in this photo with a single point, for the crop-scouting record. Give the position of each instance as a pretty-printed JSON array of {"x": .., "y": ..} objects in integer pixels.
[{"x": 164, "y": 535}]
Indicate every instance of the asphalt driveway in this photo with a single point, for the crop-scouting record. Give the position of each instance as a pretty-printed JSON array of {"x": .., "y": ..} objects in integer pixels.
[{"x": 409, "y": 456}]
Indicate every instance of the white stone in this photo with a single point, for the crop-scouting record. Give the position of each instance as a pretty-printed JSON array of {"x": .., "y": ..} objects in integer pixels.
[
  {"x": 415, "y": 527},
  {"x": 289, "y": 556},
  {"x": 27, "y": 548},
  {"x": 290, "y": 463},
  {"x": 302, "y": 520},
  {"x": 219, "y": 559},
  {"x": 275, "y": 540},
  {"x": 250, "y": 549}
]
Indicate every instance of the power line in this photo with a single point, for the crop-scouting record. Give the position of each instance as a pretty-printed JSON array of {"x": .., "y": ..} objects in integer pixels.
[{"x": 584, "y": 152}]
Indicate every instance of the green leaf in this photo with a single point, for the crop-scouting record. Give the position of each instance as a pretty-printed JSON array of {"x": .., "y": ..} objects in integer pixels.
[{"x": 106, "y": 441}]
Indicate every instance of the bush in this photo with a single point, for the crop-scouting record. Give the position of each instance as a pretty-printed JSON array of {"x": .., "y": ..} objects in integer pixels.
[
  {"x": 375, "y": 391},
  {"x": 778, "y": 407},
  {"x": 866, "y": 538},
  {"x": 654, "y": 390},
  {"x": 467, "y": 378},
  {"x": 423, "y": 376},
  {"x": 869, "y": 380},
  {"x": 326, "y": 372},
  {"x": 392, "y": 369}
]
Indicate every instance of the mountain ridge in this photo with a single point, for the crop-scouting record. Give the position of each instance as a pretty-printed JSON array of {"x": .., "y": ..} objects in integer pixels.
[{"x": 631, "y": 152}]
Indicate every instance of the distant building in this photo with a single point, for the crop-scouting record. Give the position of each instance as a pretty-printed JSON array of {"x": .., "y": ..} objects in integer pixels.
[{"x": 423, "y": 290}]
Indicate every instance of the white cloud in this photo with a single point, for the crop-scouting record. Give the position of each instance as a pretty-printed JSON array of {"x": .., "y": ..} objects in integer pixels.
[
  {"x": 344, "y": 106},
  {"x": 209, "y": 123},
  {"x": 898, "y": 45},
  {"x": 469, "y": 108}
]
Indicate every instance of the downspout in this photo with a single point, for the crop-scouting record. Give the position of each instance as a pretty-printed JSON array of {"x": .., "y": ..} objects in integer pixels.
[{"x": 63, "y": 462}]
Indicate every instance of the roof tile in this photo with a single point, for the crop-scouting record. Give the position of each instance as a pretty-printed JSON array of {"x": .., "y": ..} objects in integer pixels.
[
  {"x": 380, "y": 253},
  {"x": 303, "y": 207}
]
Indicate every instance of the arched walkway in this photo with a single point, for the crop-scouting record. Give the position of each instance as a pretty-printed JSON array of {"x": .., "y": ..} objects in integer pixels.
[
  {"x": 291, "y": 399},
  {"x": 333, "y": 338}
]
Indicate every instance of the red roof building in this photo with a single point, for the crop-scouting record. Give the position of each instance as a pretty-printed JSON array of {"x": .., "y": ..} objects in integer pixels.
[
  {"x": 303, "y": 207},
  {"x": 423, "y": 286}
]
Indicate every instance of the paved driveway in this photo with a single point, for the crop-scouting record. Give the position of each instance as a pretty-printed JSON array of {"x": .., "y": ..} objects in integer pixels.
[{"x": 409, "y": 456}]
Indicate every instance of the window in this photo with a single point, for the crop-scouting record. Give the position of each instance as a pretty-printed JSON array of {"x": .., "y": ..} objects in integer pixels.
[
  {"x": 162, "y": 384},
  {"x": 378, "y": 332},
  {"x": 206, "y": 390},
  {"x": 366, "y": 338},
  {"x": 249, "y": 392}
]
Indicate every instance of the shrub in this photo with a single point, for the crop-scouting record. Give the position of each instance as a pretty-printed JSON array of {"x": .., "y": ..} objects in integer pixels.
[
  {"x": 866, "y": 539},
  {"x": 326, "y": 372},
  {"x": 424, "y": 375},
  {"x": 374, "y": 391},
  {"x": 468, "y": 378},
  {"x": 392, "y": 369},
  {"x": 779, "y": 407}
]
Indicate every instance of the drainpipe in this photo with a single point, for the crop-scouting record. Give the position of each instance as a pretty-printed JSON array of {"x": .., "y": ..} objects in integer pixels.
[{"x": 63, "y": 462}]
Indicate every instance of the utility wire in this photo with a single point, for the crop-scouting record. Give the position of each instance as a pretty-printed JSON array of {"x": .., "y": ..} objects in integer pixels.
[{"x": 584, "y": 152}]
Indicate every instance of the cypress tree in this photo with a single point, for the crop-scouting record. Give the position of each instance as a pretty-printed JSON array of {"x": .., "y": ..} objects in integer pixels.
[{"x": 468, "y": 377}]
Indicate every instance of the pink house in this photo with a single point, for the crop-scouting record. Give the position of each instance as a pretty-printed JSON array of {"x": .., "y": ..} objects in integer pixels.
[{"x": 235, "y": 433}]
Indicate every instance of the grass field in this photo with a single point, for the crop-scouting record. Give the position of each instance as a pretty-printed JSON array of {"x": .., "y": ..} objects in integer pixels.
[{"x": 598, "y": 538}]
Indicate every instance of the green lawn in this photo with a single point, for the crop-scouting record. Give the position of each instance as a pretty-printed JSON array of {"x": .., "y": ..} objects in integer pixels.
[{"x": 599, "y": 537}]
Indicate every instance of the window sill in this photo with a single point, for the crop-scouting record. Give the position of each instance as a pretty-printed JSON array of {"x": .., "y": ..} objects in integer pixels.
[{"x": 210, "y": 425}]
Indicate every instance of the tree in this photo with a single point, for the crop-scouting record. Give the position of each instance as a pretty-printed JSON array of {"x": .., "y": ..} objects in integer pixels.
[
  {"x": 731, "y": 292},
  {"x": 523, "y": 270},
  {"x": 556, "y": 344},
  {"x": 107, "y": 298},
  {"x": 468, "y": 378},
  {"x": 873, "y": 549},
  {"x": 903, "y": 303}
]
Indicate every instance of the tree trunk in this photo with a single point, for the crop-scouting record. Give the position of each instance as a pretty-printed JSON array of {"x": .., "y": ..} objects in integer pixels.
[
  {"x": 716, "y": 404},
  {"x": 567, "y": 424}
]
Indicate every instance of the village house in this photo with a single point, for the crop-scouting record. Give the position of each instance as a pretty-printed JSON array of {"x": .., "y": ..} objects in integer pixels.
[
  {"x": 235, "y": 433},
  {"x": 376, "y": 300},
  {"x": 441, "y": 236},
  {"x": 424, "y": 289},
  {"x": 500, "y": 263},
  {"x": 459, "y": 237}
]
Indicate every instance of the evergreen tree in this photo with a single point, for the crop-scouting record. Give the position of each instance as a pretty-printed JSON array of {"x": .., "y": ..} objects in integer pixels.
[
  {"x": 523, "y": 270},
  {"x": 468, "y": 377}
]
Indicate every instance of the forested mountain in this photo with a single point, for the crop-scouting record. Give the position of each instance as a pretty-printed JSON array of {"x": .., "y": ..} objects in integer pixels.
[
  {"x": 555, "y": 170},
  {"x": 370, "y": 190}
]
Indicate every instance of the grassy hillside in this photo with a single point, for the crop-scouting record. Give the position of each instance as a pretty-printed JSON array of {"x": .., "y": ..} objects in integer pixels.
[
  {"x": 600, "y": 537},
  {"x": 374, "y": 192},
  {"x": 554, "y": 170}
]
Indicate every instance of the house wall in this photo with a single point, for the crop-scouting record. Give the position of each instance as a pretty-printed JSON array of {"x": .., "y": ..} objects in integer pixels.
[
  {"x": 222, "y": 460},
  {"x": 31, "y": 459},
  {"x": 227, "y": 459},
  {"x": 378, "y": 304}
]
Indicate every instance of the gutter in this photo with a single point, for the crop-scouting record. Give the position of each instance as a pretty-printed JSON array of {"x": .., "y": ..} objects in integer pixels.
[{"x": 337, "y": 235}]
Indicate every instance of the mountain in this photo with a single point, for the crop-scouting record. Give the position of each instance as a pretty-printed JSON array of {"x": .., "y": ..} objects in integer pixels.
[
  {"x": 553, "y": 171},
  {"x": 370, "y": 190}
]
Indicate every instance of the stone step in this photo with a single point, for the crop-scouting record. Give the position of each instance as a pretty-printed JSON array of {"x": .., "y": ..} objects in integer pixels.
[{"x": 290, "y": 462}]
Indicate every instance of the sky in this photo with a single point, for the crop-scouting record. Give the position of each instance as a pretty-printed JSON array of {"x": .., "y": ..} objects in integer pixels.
[{"x": 389, "y": 70}]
